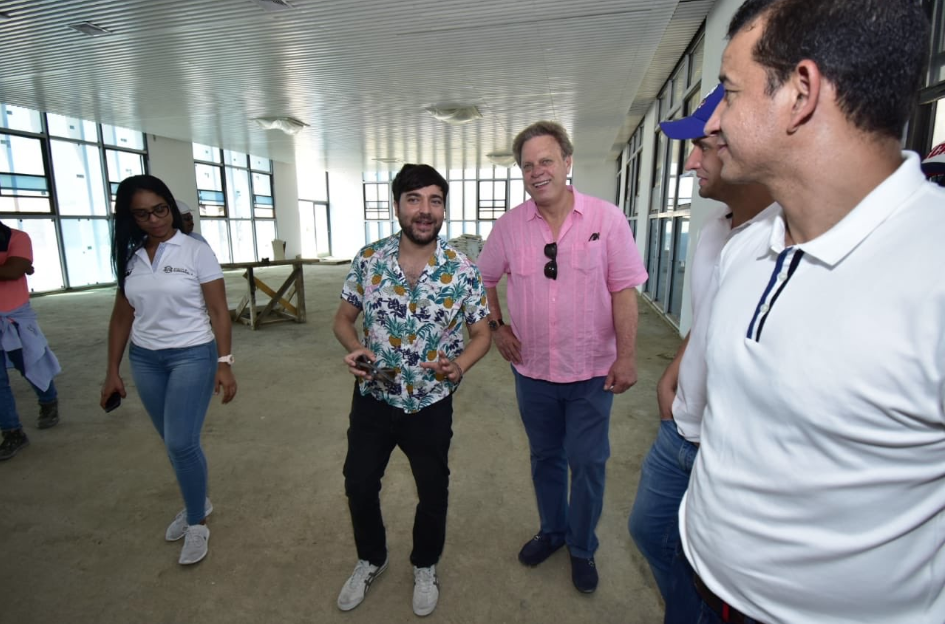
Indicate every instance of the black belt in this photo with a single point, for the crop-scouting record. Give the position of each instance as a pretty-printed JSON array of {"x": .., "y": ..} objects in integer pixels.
[{"x": 727, "y": 612}]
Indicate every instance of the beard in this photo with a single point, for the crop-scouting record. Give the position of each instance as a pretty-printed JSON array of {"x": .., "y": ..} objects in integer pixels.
[{"x": 420, "y": 239}]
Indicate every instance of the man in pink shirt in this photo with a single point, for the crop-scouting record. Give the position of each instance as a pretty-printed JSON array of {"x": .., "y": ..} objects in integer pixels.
[{"x": 572, "y": 271}]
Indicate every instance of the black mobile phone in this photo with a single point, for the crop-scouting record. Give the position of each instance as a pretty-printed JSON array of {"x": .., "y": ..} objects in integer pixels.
[{"x": 113, "y": 402}]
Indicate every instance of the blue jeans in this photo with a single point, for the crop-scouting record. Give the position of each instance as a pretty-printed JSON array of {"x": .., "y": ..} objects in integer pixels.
[
  {"x": 654, "y": 520},
  {"x": 9, "y": 419},
  {"x": 567, "y": 426},
  {"x": 175, "y": 386},
  {"x": 684, "y": 605}
]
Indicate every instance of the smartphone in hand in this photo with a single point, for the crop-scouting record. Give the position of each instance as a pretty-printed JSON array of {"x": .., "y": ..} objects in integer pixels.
[{"x": 113, "y": 402}]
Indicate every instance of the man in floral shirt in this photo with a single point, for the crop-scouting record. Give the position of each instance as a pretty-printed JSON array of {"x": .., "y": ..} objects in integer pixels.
[{"x": 415, "y": 291}]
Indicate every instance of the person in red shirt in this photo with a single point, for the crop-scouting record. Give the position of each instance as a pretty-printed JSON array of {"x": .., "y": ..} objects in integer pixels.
[{"x": 23, "y": 344}]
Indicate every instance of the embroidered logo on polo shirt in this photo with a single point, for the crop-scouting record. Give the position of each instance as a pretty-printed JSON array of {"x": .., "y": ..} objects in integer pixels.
[{"x": 170, "y": 269}]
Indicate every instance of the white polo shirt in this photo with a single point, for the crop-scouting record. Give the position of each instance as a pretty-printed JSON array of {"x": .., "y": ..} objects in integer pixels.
[
  {"x": 819, "y": 489},
  {"x": 170, "y": 311},
  {"x": 704, "y": 284}
]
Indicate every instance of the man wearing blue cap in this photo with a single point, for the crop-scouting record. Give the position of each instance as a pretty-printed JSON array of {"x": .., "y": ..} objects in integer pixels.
[{"x": 681, "y": 390}]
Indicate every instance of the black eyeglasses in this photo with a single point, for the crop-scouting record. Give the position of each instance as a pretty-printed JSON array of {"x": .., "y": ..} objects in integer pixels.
[
  {"x": 551, "y": 269},
  {"x": 145, "y": 215}
]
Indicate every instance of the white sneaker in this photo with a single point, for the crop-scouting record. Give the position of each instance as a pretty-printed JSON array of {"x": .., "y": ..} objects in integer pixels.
[
  {"x": 196, "y": 537},
  {"x": 177, "y": 528},
  {"x": 352, "y": 594},
  {"x": 426, "y": 590}
]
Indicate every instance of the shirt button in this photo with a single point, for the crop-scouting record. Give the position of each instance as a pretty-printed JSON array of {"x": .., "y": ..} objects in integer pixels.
[{"x": 764, "y": 308}]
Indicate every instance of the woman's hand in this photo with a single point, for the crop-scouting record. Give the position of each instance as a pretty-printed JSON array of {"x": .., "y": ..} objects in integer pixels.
[
  {"x": 224, "y": 379},
  {"x": 113, "y": 384}
]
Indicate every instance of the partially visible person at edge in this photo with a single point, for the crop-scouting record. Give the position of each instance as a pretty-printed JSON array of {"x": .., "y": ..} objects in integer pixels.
[
  {"x": 23, "y": 343},
  {"x": 572, "y": 270},
  {"x": 415, "y": 293},
  {"x": 171, "y": 301},
  {"x": 187, "y": 216},
  {"x": 934, "y": 165},
  {"x": 664, "y": 477},
  {"x": 818, "y": 493}
]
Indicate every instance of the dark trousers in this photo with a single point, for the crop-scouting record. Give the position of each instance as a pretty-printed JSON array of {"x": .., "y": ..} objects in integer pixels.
[{"x": 375, "y": 429}]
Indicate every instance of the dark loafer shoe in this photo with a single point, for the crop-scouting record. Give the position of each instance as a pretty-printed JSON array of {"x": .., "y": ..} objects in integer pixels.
[
  {"x": 584, "y": 574},
  {"x": 538, "y": 549}
]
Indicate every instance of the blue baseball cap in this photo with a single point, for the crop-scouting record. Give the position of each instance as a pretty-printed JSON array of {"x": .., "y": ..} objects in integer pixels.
[{"x": 693, "y": 126}]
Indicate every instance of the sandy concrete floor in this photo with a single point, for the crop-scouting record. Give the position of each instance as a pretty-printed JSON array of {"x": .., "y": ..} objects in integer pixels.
[{"x": 85, "y": 506}]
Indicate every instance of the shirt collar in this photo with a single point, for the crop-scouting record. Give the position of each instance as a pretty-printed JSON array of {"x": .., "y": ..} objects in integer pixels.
[
  {"x": 391, "y": 248},
  {"x": 836, "y": 243},
  {"x": 176, "y": 240},
  {"x": 531, "y": 208}
]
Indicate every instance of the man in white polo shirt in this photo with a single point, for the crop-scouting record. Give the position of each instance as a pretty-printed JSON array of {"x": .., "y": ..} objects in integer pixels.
[
  {"x": 818, "y": 494},
  {"x": 664, "y": 476}
]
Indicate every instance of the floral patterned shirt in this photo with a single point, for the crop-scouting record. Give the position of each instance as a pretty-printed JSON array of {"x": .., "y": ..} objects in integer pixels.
[{"x": 405, "y": 326}]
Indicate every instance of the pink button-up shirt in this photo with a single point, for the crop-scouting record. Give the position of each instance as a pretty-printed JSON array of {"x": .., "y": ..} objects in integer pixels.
[{"x": 566, "y": 326}]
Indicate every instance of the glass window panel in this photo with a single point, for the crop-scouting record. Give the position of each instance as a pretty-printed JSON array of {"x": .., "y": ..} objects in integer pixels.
[
  {"x": 77, "y": 169},
  {"x": 455, "y": 199},
  {"x": 937, "y": 58},
  {"x": 88, "y": 247},
  {"x": 485, "y": 191},
  {"x": 241, "y": 235},
  {"x": 261, "y": 164},
  {"x": 469, "y": 227},
  {"x": 656, "y": 196},
  {"x": 455, "y": 229},
  {"x": 21, "y": 155},
  {"x": 516, "y": 192},
  {"x": 235, "y": 159},
  {"x": 237, "y": 193},
  {"x": 122, "y": 137},
  {"x": 469, "y": 200},
  {"x": 20, "y": 184},
  {"x": 653, "y": 256},
  {"x": 383, "y": 229},
  {"x": 673, "y": 171},
  {"x": 470, "y": 174},
  {"x": 47, "y": 268},
  {"x": 486, "y": 173},
  {"x": 938, "y": 133},
  {"x": 485, "y": 227},
  {"x": 264, "y": 213},
  {"x": 25, "y": 204},
  {"x": 18, "y": 118},
  {"x": 515, "y": 172},
  {"x": 309, "y": 239},
  {"x": 262, "y": 184},
  {"x": 666, "y": 261},
  {"x": 323, "y": 229},
  {"x": 122, "y": 165},
  {"x": 313, "y": 187},
  {"x": 265, "y": 234},
  {"x": 679, "y": 267},
  {"x": 679, "y": 86},
  {"x": 207, "y": 153},
  {"x": 71, "y": 128},
  {"x": 695, "y": 62},
  {"x": 455, "y": 174},
  {"x": 208, "y": 177},
  {"x": 218, "y": 237}
]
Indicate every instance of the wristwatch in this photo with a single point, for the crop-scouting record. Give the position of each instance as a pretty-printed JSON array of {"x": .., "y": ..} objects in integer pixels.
[
  {"x": 495, "y": 325},
  {"x": 226, "y": 359}
]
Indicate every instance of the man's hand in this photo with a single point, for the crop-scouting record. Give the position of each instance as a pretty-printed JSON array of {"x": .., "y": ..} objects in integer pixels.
[
  {"x": 622, "y": 375},
  {"x": 351, "y": 361},
  {"x": 446, "y": 367},
  {"x": 508, "y": 344}
]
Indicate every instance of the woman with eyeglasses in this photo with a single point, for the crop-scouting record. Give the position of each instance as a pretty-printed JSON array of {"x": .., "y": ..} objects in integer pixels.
[{"x": 171, "y": 302}]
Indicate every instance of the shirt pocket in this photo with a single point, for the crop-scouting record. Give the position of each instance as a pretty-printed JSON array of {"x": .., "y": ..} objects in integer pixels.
[
  {"x": 586, "y": 257},
  {"x": 527, "y": 261}
]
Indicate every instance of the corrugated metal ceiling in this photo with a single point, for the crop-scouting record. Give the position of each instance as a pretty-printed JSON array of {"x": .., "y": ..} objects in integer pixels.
[{"x": 359, "y": 73}]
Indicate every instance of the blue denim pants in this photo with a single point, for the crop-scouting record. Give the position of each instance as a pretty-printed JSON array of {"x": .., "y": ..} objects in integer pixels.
[
  {"x": 175, "y": 386},
  {"x": 9, "y": 418},
  {"x": 684, "y": 605},
  {"x": 567, "y": 426},
  {"x": 654, "y": 520}
]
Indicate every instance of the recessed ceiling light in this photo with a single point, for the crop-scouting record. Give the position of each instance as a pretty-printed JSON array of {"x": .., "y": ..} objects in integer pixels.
[
  {"x": 289, "y": 125},
  {"x": 90, "y": 29},
  {"x": 454, "y": 114},
  {"x": 501, "y": 159}
]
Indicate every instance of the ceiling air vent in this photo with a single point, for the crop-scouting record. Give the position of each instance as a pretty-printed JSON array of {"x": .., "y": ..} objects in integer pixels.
[
  {"x": 90, "y": 29},
  {"x": 274, "y": 6}
]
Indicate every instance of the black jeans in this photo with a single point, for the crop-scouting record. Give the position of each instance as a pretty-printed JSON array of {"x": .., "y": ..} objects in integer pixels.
[{"x": 375, "y": 429}]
